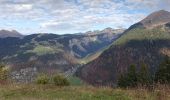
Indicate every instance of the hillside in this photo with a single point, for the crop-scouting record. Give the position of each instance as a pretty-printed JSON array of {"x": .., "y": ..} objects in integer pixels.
[
  {"x": 50, "y": 53},
  {"x": 141, "y": 43}
]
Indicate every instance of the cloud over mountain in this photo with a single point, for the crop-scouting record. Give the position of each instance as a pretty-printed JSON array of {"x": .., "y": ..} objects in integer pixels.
[{"x": 69, "y": 16}]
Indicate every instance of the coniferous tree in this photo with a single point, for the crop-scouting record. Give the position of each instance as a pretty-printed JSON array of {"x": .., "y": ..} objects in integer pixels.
[
  {"x": 122, "y": 81},
  {"x": 132, "y": 76},
  {"x": 129, "y": 79},
  {"x": 163, "y": 73},
  {"x": 144, "y": 76}
]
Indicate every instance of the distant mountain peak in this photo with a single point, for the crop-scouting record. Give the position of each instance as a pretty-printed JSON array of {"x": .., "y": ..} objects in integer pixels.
[
  {"x": 107, "y": 30},
  {"x": 156, "y": 18},
  {"x": 7, "y": 33}
]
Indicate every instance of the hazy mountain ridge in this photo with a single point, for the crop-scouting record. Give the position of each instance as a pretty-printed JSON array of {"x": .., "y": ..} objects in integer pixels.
[{"x": 13, "y": 33}]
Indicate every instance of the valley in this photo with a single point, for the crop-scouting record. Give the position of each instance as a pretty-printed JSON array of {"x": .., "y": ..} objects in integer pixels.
[{"x": 51, "y": 53}]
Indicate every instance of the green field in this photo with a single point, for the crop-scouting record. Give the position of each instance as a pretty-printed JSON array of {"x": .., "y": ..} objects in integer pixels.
[{"x": 51, "y": 92}]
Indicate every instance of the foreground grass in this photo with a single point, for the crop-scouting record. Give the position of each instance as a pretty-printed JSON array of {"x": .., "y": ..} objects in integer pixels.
[{"x": 50, "y": 92}]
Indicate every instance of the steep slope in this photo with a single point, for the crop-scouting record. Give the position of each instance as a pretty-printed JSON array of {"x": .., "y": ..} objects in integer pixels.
[
  {"x": 50, "y": 52},
  {"x": 142, "y": 42},
  {"x": 6, "y": 33}
]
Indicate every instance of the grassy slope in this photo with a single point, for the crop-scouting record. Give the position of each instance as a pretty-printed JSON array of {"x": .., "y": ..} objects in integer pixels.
[
  {"x": 141, "y": 34},
  {"x": 93, "y": 56},
  {"x": 40, "y": 50},
  {"x": 89, "y": 58},
  {"x": 49, "y": 92}
]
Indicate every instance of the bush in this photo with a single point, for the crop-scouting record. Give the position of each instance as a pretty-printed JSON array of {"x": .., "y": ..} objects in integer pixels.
[
  {"x": 42, "y": 79},
  {"x": 57, "y": 80},
  {"x": 60, "y": 80},
  {"x": 3, "y": 73}
]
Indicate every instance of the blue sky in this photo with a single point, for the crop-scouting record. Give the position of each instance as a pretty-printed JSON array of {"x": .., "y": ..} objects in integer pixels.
[{"x": 74, "y": 16}]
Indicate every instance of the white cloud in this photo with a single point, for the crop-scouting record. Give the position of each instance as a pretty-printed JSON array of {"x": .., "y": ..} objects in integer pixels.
[
  {"x": 22, "y": 7},
  {"x": 75, "y": 15}
]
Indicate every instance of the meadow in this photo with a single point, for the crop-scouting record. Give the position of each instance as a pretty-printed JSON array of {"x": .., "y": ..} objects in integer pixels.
[{"x": 51, "y": 92}]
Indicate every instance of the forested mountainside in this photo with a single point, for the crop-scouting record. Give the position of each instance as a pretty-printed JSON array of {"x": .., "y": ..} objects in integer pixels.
[{"x": 147, "y": 41}]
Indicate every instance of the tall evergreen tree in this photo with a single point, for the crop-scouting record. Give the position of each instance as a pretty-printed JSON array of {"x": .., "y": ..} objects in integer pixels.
[
  {"x": 163, "y": 73},
  {"x": 122, "y": 81},
  {"x": 144, "y": 77},
  {"x": 132, "y": 76},
  {"x": 129, "y": 79}
]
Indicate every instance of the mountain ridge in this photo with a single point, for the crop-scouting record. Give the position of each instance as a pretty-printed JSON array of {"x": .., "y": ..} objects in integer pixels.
[{"x": 156, "y": 18}]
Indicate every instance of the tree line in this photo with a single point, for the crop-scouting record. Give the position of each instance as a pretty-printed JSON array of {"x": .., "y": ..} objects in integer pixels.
[{"x": 143, "y": 77}]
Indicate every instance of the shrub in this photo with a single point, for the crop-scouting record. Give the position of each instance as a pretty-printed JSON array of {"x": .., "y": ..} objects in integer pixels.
[
  {"x": 3, "y": 73},
  {"x": 57, "y": 80},
  {"x": 42, "y": 79},
  {"x": 60, "y": 80}
]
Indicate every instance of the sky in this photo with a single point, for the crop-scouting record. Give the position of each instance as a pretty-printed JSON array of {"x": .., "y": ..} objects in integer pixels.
[{"x": 74, "y": 16}]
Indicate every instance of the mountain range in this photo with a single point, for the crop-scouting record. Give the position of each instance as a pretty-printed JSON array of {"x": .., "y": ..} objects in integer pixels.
[{"x": 51, "y": 53}]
